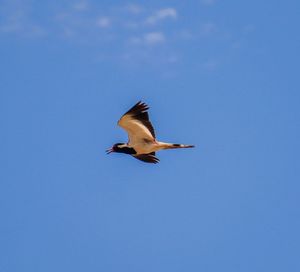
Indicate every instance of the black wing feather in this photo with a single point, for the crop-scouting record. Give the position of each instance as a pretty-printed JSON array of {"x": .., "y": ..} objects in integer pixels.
[
  {"x": 150, "y": 158},
  {"x": 139, "y": 112}
]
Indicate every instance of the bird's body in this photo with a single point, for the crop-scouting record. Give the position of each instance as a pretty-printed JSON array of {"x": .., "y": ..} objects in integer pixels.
[{"x": 142, "y": 143}]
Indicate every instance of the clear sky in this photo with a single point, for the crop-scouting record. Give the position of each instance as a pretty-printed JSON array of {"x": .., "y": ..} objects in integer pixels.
[{"x": 223, "y": 75}]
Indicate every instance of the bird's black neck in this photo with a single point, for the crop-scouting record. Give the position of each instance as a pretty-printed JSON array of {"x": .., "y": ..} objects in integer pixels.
[{"x": 126, "y": 150}]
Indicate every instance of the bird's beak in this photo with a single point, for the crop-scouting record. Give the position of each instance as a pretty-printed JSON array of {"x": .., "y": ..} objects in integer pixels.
[{"x": 108, "y": 151}]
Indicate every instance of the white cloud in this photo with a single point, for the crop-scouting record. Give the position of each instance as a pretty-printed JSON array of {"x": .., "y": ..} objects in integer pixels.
[
  {"x": 153, "y": 38},
  {"x": 161, "y": 15},
  {"x": 103, "y": 22},
  {"x": 134, "y": 9}
]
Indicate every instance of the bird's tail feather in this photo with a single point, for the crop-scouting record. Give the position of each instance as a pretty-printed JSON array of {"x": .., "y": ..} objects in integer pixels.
[{"x": 172, "y": 146}]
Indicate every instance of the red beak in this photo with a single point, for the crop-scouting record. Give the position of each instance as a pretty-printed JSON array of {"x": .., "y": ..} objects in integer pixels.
[{"x": 108, "y": 151}]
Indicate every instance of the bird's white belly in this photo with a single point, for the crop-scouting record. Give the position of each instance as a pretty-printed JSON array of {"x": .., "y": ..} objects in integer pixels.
[{"x": 146, "y": 148}]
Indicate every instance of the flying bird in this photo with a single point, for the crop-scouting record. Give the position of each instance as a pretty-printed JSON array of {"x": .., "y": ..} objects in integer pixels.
[{"x": 142, "y": 143}]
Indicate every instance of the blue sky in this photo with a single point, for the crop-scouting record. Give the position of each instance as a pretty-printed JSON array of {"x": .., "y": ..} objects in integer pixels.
[{"x": 223, "y": 75}]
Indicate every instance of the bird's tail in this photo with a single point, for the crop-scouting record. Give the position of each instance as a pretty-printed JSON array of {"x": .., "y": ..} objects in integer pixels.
[{"x": 172, "y": 146}]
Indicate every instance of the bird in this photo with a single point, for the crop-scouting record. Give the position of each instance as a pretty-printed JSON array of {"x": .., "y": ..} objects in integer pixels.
[{"x": 142, "y": 143}]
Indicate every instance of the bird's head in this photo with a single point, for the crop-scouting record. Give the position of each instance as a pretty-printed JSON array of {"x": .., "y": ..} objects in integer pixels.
[
  {"x": 118, "y": 147},
  {"x": 121, "y": 148}
]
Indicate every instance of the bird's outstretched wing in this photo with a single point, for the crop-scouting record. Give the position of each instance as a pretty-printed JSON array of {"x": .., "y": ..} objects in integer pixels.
[
  {"x": 150, "y": 158},
  {"x": 136, "y": 123}
]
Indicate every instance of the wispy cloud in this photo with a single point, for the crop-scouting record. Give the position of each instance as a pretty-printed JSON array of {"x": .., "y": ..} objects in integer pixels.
[
  {"x": 162, "y": 14},
  {"x": 149, "y": 39},
  {"x": 103, "y": 22},
  {"x": 134, "y": 9},
  {"x": 154, "y": 38},
  {"x": 81, "y": 19},
  {"x": 138, "y": 32}
]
